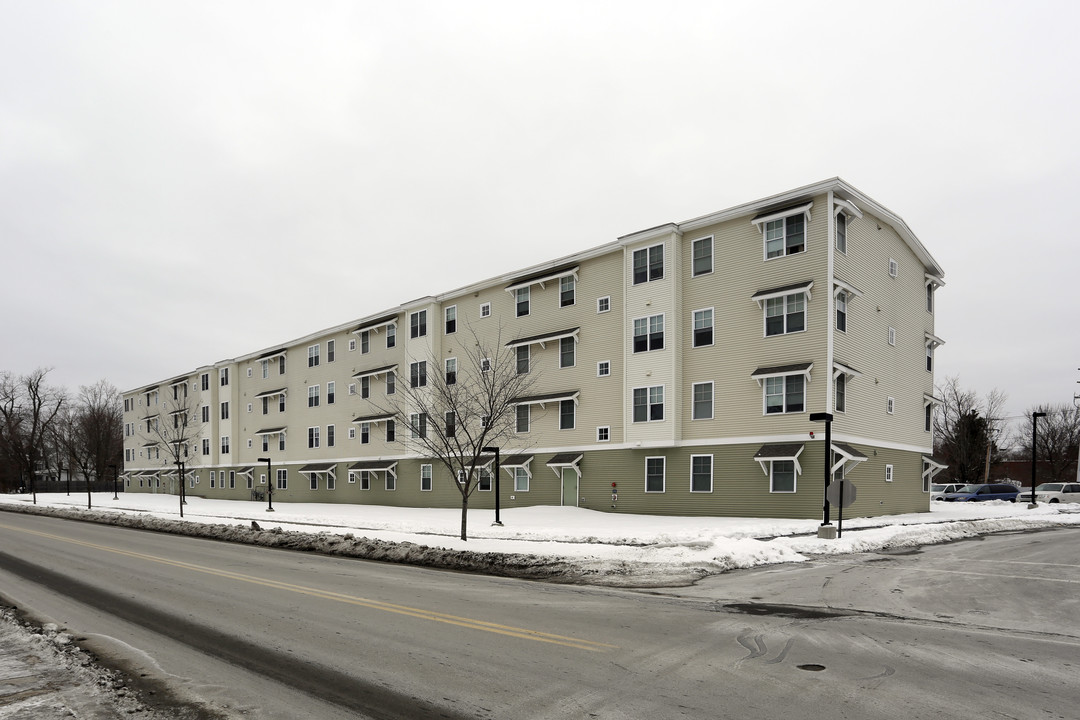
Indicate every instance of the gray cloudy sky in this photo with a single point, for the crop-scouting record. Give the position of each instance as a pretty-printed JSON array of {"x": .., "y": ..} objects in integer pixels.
[{"x": 182, "y": 183}]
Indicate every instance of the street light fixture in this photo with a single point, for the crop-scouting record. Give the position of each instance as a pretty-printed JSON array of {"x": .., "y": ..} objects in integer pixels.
[
  {"x": 1034, "y": 452},
  {"x": 496, "y": 451},
  {"x": 269, "y": 486},
  {"x": 827, "y": 419}
]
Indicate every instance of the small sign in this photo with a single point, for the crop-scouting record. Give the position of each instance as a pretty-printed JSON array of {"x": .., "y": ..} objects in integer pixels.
[{"x": 835, "y": 497}]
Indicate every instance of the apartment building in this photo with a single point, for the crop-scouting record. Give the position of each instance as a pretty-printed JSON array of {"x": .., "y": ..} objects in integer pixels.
[{"x": 676, "y": 372}]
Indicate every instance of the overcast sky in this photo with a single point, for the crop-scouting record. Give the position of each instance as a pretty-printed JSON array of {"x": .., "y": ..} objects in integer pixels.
[{"x": 182, "y": 183}]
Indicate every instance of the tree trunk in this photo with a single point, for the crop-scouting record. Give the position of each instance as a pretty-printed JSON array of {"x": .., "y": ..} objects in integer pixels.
[{"x": 464, "y": 516}]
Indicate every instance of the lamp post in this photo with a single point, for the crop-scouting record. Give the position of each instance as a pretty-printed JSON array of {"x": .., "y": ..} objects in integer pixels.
[
  {"x": 827, "y": 419},
  {"x": 115, "y": 482},
  {"x": 496, "y": 451},
  {"x": 60, "y": 471},
  {"x": 269, "y": 486},
  {"x": 1076, "y": 402},
  {"x": 1034, "y": 436},
  {"x": 89, "y": 500},
  {"x": 179, "y": 469}
]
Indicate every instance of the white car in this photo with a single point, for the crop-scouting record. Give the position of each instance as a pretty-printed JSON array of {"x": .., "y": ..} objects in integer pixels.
[
  {"x": 1057, "y": 492},
  {"x": 937, "y": 490}
]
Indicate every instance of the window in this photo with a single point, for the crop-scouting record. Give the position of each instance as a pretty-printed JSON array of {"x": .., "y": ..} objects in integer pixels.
[
  {"x": 205, "y": 446},
  {"x": 703, "y": 325},
  {"x": 451, "y": 424},
  {"x": 485, "y": 310},
  {"x": 365, "y": 479},
  {"x": 521, "y": 479},
  {"x": 786, "y": 314},
  {"x": 841, "y": 232},
  {"x": 331, "y": 347},
  {"x": 649, "y": 264},
  {"x": 265, "y": 367},
  {"x": 330, "y": 433},
  {"x": 281, "y": 441},
  {"x": 603, "y": 368},
  {"x": 603, "y": 304},
  {"x": 567, "y": 287},
  {"x": 418, "y": 425},
  {"x": 224, "y": 411},
  {"x": 841, "y": 393},
  {"x": 451, "y": 319},
  {"x": 352, "y": 344},
  {"x": 841, "y": 311},
  {"x": 929, "y": 297},
  {"x": 702, "y": 260},
  {"x": 929, "y": 358},
  {"x": 365, "y": 433},
  {"x": 232, "y": 478},
  {"x": 701, "y": 473},
  {"x": 281, "y": 365},
  {"x": 485, "y": 364},
  {"x": 425, "y": 478},
  {"x": 928, "y": 420},
  {"x": 265, "y": 443},
  {"x": 213, "y": 478},
  {"x": 352, "y": 477},
  {"x": 566, "y": 352},
  {"x": 451, "y": 371},
  {"x": 313, "y": 355},
  {"x": 418, "y": 324},
  {"x": 313, "y": 437},
  {"x": 521, "y": 299},
  {"x": 352, "y": 389},
  {"x": 418, "y": 374},
  {"x": 281, "y": 402},
  {"x": 352, "y": 433},
  {"x": 483, "y": 484},
  {"x": 223, "y": 376},
  {"x": 331, "y": 391},
  {"x": 313, "y": 396},
  {"x": 365, "y": 341},
  {"x": 313, "y": 481},
  {"x": 649, "y": 333},
  {"x": 566, "y": 415},
  {"x": 522, "y": 353},
  {"x": 224, "y": 444},
  {"x": 391, "y": 335},
  {"x": 890, "y": 405},
  {"x": 888, "y": 473},
  {"x": 784, "y": 394},
  {"x": 522, "y": 419},
  {"x": 703, "y": 401},
  {"x": 205, "y": 413},
  {"x": 894, "y": 269},
  {"x": 365, "y": 387},
  {"x": 204, "y": 379},
  {"x": 391, "y": 383},
  {"x": 892, "y": 336},
  {"x": 649, "y": 404},
  {"x": 654, "y": 474},
  {"x": 785, "y": 236},
  {"x": 390, "y": 430},
  {"x": 782, "y": 476},
  {"x": 603, "y": 433}
]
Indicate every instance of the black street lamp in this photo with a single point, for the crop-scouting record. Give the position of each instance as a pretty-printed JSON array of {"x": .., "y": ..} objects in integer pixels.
[
  {"x": 60, "y": 471},
  {"x": 115, "y": 481},
  {"x": 1034, "y": 436},
  {"x": 496, "y": 451},
  {"x": 89, "y": 501},
  {"x": 269, "y": 486},
  {"x": 827, "y": 419},
  {"x": 180, "y": 469}
]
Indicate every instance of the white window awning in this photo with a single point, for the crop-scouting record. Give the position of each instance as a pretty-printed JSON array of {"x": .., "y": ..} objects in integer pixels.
[
  {"x": 762, "y": 295},
  {"x": 933, "y": 341},
  {"x": 847, "y": 454},
  {"x": 846, "y": 206},
  {"x": 840, "y": 368},
  {"x": 542, "y": 340},
  {"x": 316, "y": 468},
  {"x": 565, "y": 460},
  {"x": 934, "y": 280},
  {"x": 375, "y": 419},
  {"x": 779, "y": 451},
  {"x": 377, "y": 324},
  {"x": 931, "y": 468},
  {"x": 839, "y": 286},
  {"x": 272, "y": 431},
  {"x": 783, "y": 370},
  {"x": 803, "y": 209},
  {"x": 272, "y": 393},
  {"x": 387, "y": 467},
  {"x": 376, "y": 371},
  {"x": 543, "y": 277},
  {"x": 543, "y": 400},
  {"x": 929, "y": 399}
]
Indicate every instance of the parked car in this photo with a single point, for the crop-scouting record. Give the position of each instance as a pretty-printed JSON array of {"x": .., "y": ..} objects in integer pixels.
[
  {"x": 980, "y": 492},
  {"x": 1057, "y": 492},
  {"x": 938, "y": 490}
]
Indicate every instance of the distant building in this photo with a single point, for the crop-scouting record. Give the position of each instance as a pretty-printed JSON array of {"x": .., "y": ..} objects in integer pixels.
[{"x": 680, "y": 366}]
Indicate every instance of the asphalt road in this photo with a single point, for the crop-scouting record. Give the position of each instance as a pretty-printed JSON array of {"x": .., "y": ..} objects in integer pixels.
[{"x": 973, "y": 629}]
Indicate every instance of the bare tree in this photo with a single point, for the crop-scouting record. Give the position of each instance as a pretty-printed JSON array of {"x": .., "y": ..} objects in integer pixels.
[
  {"x": 173, "y": 431},
  {"x": 90, "y": 433},
  {"x": 453, "y": 415},
  {"x": 1058, "y": 439},
  {"x": 28, "y": 409},
  {"x": 968, "y": 430}
]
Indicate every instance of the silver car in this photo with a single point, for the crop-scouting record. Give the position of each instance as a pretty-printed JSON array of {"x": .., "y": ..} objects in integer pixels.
[
  {"x": 938, "y": 490},
  {"x": 1057, "y": 492}
]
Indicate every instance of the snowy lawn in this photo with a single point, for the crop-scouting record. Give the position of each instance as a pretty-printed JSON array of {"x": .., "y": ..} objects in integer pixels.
[{"x": 568, "y": 544}]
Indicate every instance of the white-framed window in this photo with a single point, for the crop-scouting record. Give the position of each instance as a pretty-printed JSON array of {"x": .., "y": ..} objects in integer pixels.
[
  {"x": 451, "y": 423},
  {"x": 281, "y": 441},
  {"x": 785, "y": 394},
  {"x": 249, "y": 407},
  {"x": 782, "y": 476},
  {"x": 485, "y": 310},
  {"x": 888, "y": 473},
  {"x": 603, "y": 368},
  {"x": 483, "y": 483},
  {"x": 223, "y": 377},
  {"x": 928, "y": 417},
  {"x": 204, "y": 379},
  {"x": 567, "y": 356},
  {"x": 213, "y": 478},
  {"x": 352, "y": 477},
  {"x": 655, "y": 474},
  {"x": 701, "y": 250},
  {"x": 352, "y": 388},
  {"x": 930, "y": 297},
  {"x": 365, "y": 342},
  {"x": 331, "y": 391},
  {"x": 313, "y": 355},
  {"x": 264, "y": 366},
  {"x": 352, "y": 344},
  {"x": 425, "y": 477},
  {"x": 785, "y": 236},
  {"x": 649, "y": 404},
  {"x": 391, "y": 335},
  {"x": 450, "y": 371},
  {"x": 265, "y": 443},
  {"x": 391, "y": 429},
  {"x": 418, "y": 425},
  {"x": 649, "y": 264},
  {"x": 418, "y": 374},
  {"x": 649, "y": 333},
  {"x": 603, "y": 304},
  {"x": 365, "y": 433},
  {"x": 205, "y": 413},
  {"x": 391, "y": 382},
  {"x": 225, "y": 410},
  {"x": 522, "y": 424},
  {"x": 313, "y": 481},
  {"x": 522, "y": 357},
  {"x": 365, "y": 387},
  {"x": 894, "y": 268},
  {"x": 485, "y": 364},
  {"x": 521, "y": 301},
  {"x": 703, "y": 401},
  {"x": 451, "y": 319},
  {"x": 785, "y": 314},
  {"x": 389, "y": 480},
  {"x": 841, "y": 311},
  {"x": 703, "y": 327},
  {"x": 892, "y": 336},
  {"x": 331, "y": 350},
  {"x": 521, "y": 479},
  {"x": 224, "y": 444},
  {"x": 840, "y": 404},
  {"x": 567, "y": 291},
  {"x": 365, "y": 479},
  {"x": 567, "y": 415},
  {"x": 352, "y": 433},
  {"x": 418, "y": 324},
  {"x": 701, "y": 473},
  {"x": 313, "y": 396},
  {"x": 282, "y": 479},
  {"x": 841, "y": 232},
  {"x": 929, "y": 357},
  {"x": 890, "y": 405},
  {"x": 603, "y": 433},
  {"x": 330, "y": 435},
  {"x": 205, "y": 447},
  {"x": 313, "y": 437}
]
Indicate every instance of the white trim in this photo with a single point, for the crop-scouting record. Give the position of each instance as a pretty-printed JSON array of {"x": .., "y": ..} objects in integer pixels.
[
  {"x": 793, "y": 290},
  {"x": 541, "y": 281},
  {"x": 841, "y": 286},
  {"x": 846, "y": 206},
  {"x": 933, "y": 341},
  {"x": 712, "y": 473},
  {"x": 543, "y": 340},
  {"x": 804, "y": 209}
]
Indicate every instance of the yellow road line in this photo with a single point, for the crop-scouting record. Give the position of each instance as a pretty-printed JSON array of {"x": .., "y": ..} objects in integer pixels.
[{"x": 471, "y": 623}]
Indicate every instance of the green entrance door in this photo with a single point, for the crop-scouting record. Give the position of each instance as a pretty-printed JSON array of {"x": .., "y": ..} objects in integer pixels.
[{"x": 569, "y": 486}]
